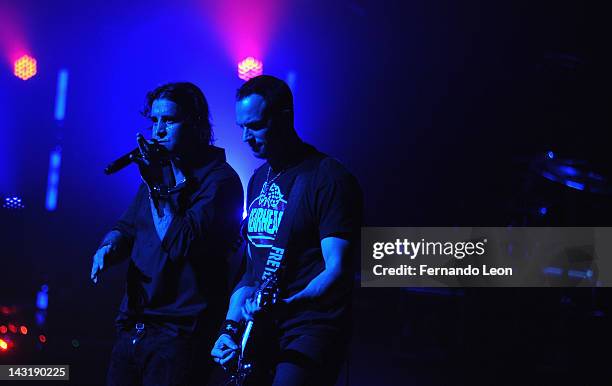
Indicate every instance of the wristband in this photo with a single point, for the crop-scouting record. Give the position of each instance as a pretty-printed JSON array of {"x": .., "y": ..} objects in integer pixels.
[{"x": 231, "y": 328}]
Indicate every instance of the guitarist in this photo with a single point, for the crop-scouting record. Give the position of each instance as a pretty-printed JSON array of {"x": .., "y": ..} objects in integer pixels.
[{"x": 312, "y": 312}]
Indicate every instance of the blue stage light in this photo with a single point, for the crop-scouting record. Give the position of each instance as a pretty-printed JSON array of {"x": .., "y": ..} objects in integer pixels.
[
  {"x": 555, "y": 271},
  {"x": 580, "y": 274},
  {"x": 42, "y": 298},
  {"x": 55, "y": 161},
  {"x": 574, "y": 184},
  {"x": 291, "y": 79},
  {"x": 60, "y": 96},
  {"x": 41, "y": 318},
  {"x": 13, "y": 202}
]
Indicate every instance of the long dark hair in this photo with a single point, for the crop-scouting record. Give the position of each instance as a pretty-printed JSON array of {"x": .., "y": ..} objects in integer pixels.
[{"x": 192, "y": 104}]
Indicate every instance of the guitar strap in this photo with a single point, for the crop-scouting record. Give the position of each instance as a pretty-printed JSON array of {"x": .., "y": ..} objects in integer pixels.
[
  {"x": 283, "y": 235},
  {"x": 276, "y": 256}
]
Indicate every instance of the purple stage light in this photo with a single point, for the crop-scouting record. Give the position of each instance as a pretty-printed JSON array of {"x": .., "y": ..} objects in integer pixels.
[{"x": 249, "y": 68}]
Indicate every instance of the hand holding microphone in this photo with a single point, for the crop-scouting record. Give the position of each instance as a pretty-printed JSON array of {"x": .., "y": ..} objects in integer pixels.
[
  {"x": 149, "y": 152},
  {"x": 150, "y": 161}
]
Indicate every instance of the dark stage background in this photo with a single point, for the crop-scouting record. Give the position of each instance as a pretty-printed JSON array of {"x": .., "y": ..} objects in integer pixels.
[{"x": 442, "y": 109}]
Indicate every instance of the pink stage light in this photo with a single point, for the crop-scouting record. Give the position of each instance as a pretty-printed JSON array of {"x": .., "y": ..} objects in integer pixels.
[
  {"x": 245, "y": 28},
  {"x": 249, "y": 68},
  {"x": 25, "y": 67},
  {"x": 13, "y": 37}
]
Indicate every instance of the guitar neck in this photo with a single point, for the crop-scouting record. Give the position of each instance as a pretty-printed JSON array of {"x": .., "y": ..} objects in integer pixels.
[{"x": 245, "y": 336}]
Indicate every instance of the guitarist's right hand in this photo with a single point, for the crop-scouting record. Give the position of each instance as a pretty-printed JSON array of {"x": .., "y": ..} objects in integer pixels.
[{"x": 225, "y": 350}]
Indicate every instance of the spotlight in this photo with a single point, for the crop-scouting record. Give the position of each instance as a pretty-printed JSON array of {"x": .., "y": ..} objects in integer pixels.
[
  {"x": 249, "y": 68},
  {"x": 25, "y": 67},
  {"x": 13, "y": 202},
  {"x": 60, "y": 96},
  {"x": 41, "y": 317},
  {"x": 3, "y": 345},
  {"x": 588, "y": 274},
  {"x": 55, "y": 160},
  {"x": 42, "y": 297}
]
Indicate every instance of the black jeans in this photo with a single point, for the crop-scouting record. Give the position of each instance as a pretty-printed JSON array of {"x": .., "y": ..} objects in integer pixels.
[
  {"x": 156, "y": 357},
  {"x": 307, "y": 359}
]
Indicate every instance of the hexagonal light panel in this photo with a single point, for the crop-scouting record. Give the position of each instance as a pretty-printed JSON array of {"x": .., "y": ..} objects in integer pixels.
[
  {"x": 25, "y": 67},
  {"x": 249, "y": 68}
]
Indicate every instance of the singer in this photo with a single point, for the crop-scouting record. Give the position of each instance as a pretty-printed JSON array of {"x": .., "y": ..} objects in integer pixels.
[{"x": 177, "y": 235}]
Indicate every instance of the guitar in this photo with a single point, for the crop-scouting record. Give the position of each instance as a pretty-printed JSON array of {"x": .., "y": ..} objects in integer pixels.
[{"x": 265, "y": 295}]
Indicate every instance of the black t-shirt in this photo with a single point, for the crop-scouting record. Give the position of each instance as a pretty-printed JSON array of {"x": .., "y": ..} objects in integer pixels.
[{"x": 330, "y": 205}]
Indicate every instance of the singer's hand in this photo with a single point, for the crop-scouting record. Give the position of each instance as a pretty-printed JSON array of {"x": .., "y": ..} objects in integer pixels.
[
  {"x": 99, "y": 259},
  {"x": 150, "y": 161}
]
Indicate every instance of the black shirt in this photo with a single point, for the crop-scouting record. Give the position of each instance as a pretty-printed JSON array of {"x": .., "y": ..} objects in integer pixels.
[
  {"x": 181, "y": 282},
  {"x": 331, "y": 205}
]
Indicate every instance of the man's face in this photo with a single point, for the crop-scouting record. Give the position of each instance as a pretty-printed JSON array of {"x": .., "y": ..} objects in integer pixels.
[
  {"x": 169, "y": 127},
  {"x": 256, "y": 129}
]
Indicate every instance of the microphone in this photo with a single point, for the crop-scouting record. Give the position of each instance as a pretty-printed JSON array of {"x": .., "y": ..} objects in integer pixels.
[{"x": 122, "y": 162}]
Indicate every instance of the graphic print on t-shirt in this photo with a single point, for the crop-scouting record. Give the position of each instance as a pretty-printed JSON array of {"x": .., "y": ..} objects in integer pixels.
[{"x": 265, "y": 214}]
